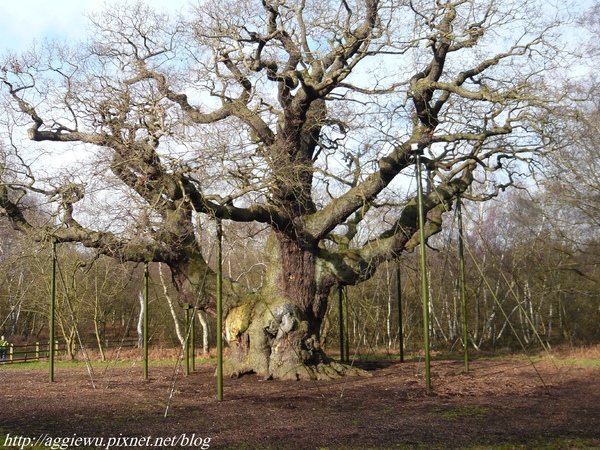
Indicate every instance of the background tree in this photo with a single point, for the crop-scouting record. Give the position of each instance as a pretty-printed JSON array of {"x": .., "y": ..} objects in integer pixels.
[{"x": 304, "y": 117}]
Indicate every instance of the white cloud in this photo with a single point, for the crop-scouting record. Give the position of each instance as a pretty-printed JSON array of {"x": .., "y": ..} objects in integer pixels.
[
  {"x": 22, "y": 22},
  {"x": 25, "y": 21}
]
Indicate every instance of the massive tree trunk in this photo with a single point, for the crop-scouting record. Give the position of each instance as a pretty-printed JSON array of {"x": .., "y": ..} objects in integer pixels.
[{"x": 275, "y": 332}]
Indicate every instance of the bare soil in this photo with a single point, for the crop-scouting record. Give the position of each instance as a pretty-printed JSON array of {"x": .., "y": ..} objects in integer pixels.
[{"x": 508, "y": 401}]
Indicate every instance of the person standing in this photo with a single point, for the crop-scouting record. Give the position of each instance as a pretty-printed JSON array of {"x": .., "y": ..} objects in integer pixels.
[{"x": 3, "y": 348}]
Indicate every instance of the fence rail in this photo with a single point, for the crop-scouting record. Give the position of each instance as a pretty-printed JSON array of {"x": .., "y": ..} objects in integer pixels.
[{"x": 38, "y": 351}]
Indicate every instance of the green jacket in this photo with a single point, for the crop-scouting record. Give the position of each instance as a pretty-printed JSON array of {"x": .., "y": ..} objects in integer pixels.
[{"x": 3, "y": 344}]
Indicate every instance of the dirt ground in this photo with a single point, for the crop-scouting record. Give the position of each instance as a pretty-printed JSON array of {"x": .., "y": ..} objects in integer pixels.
[{"x": 549, "y": 404}]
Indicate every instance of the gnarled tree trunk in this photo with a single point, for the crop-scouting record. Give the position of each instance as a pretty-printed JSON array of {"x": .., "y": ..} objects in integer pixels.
[{"x": 274, "y": 332}]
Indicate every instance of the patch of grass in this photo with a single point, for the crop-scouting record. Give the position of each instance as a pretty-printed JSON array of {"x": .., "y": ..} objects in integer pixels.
[
  {"x": 167, "y": 362},
  {"x": 583, "y": 362},
  {"x": 243, "y": 446},
  {"x": 463, "y": 411},
  {"x": 552, "y": 444},
  {"x": 95, "y": 364}
]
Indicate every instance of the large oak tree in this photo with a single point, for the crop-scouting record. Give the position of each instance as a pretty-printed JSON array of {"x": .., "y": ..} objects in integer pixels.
[{"x": 305, "y": 116}]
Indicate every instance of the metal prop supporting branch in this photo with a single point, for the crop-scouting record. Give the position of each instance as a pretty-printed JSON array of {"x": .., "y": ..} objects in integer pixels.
[
  {"x": 186, "y": 342},
  {"x": 399, "y": 296},
  {"x": 219, "y": 311},
  {"x": 145, "y": 337},
  {"x": 341, "y": 311},
  {"x": 346, "y": 325},
  {"x": 463, "y": 289},
  {"x": 52, "y": 307},
  {"x": 193, "y": 338},
  {"x": 424, "y": 284},
  {"x": 56, "y": 269}
]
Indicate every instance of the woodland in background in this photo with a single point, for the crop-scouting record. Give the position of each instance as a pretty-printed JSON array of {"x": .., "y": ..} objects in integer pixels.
[{"x": 527, "y": 285}]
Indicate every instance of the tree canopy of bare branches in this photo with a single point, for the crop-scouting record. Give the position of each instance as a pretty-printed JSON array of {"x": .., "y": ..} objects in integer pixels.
[{"x": 299, "y": 115}]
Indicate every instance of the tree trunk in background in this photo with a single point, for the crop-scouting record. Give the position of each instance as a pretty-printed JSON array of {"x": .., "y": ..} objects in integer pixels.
[
  {"x": 140, "y": 324},
  {"x": 205, "y": 331},
  {"x": 176, "y": 322}
]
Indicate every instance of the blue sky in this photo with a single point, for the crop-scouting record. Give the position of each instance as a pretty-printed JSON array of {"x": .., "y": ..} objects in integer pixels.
[{"x": 22, "y": 22}]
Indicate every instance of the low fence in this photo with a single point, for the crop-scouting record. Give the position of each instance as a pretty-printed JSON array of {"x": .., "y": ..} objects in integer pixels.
[{"x": 38, "y": 351}]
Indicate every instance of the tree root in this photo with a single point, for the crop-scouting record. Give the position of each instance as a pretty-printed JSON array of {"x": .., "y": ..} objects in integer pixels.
[{"x": 323, "y": 371}]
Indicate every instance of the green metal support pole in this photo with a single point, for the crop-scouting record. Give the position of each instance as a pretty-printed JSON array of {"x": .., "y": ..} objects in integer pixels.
[
  {"x": 146, "y": 321},
  {"x": 193, "y": 339},
  {"x": 341, "y": 310},
  {"x": 347, "y": 325},
  {"x": 424, "y": 284},
  {"x": 400, "y": 328},
  {"x": 463, "y": 284},
  {"x": 186, "y": 307},
  {"x": 219, "y": 311},
  {"x": 52, "y": 307}
]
